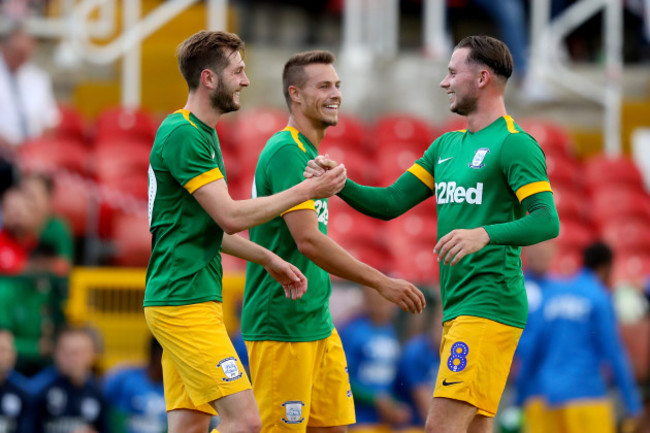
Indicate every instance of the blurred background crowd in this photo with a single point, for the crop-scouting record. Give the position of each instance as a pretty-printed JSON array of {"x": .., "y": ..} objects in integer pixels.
[{"x": 78, "y": 117}]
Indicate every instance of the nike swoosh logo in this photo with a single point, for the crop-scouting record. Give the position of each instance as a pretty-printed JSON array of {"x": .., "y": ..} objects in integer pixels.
[
  {"x": 440, "y": 161},
  {"x": 445, "y": 383}
]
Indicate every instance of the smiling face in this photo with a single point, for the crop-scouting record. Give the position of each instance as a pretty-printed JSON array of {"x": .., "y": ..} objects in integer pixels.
[
  {"x": 225, "y": 97},
  {"x": 320, "y": 96},
  {"x": 461, "y": 83}
]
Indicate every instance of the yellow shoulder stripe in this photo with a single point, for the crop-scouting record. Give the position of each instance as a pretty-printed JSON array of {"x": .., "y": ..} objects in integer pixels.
[
  {"x": 532, "y": 188},
  {"x": 308, "y": 205},
  {"x": 294, "y": 133},
  {"x": 510, "y": 122},
  {"x": 186, "y": 115},
  {"x": 422, "y": 174},
  {"x": 203, "y": 179}
]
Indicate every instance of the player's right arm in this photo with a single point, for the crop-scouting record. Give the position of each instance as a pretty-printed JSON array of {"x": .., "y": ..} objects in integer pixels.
[
  {"x": 234, "y": 216},
  {"x": 331, "y": 257},
  {"x": 292, "y": 280},
  {"x": 411, "y": 188},
  {"x": 192, "y": 161}
]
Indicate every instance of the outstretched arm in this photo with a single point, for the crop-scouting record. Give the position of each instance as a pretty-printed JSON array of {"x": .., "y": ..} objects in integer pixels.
[
  {"x": 234, "y": 216},
  {"x": 292, "y": 280},
  {"x": 383, "y": 203},
  {"x": 331, "y": 257}
]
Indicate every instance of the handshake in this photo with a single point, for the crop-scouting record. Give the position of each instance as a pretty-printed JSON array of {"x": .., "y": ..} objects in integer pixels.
[
  {"x": 318, "y": 166},
  {"x": 325, "y": 177}
]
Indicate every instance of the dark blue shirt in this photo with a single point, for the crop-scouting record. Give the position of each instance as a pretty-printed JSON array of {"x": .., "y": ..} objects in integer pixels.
[
  {"x": 15, "y": 408},
  {"x": 62, "y": 407}
]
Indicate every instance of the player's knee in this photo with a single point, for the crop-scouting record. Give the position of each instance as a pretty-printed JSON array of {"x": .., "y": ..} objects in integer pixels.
[
  {"x": 431, "y": 426},
  {"x": 247, "y": 424}
]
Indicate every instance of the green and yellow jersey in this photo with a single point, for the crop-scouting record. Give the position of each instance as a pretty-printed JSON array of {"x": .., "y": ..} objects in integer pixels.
[
  {"x": 480, "y": 179},
  {"x": 267, "y": 314},
  {"x": 185, "y": 264}
]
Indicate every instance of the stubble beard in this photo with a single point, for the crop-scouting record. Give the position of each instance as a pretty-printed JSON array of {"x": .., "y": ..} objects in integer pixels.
[{"x": 222, "y": 100}]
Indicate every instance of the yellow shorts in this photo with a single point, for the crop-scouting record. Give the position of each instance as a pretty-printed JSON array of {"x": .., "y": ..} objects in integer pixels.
[
  {"x": 593, "y": 416},
  {"x": 475, "y": 359},
  {"x": 199, "y": 361},
  {"x": 536, "y": 416},
  {"x": 300, "y": 384}
]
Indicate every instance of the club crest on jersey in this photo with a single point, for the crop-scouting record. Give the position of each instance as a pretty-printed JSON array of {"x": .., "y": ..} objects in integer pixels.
[
  {"x": 293, "y": 412},
  {"x": 230, "y": 369},
  {"x": 479, "y": 156}
]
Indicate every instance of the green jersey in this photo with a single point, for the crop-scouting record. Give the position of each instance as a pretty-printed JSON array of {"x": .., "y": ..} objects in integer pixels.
[
  {"x": 267, "y": 314},
  {"x": 480, "y": 179},
  {"x": 185, "y": 264}
]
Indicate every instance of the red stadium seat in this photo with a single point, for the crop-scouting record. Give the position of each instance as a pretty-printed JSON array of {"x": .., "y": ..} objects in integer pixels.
[
  {"x": 615, "y": 202},
  {"x": 605, "y": 171},
  {"x": 52, "y": 154},
  {"x": 122, "y": 168},
  {"x": 71, "y": 125},
  {"x": 553, "y": 138},
  {"x": 412, "y": 237},
  {"x": 574, "y": 235},
  {"x": 122, "y": 123},
  {"x": 402, "y": 129},
  {"x": 348, "y": 227},
  {"x": 349, "y": 132},
  {"x": 250, "y": 131},
  {"x": 563, "y": 171},
  {"x": 566, "y": 260},
  {"x": 72, "y": 199},
  {"x": 131, "y": 239},
  {"x": 627, "y": 235},
  {"x": 360, "y": 166},
  {"x": 570, "y": 203},
  {"x": 631, "y": 267}
]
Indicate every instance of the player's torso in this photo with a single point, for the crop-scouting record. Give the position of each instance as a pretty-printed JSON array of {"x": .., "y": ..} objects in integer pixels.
[
  {"x": 470, "y": 187},
  {"x": 185, "y": 239},
  {"x": 472, "y": 190},
  {"x": 268, "y": 314}
]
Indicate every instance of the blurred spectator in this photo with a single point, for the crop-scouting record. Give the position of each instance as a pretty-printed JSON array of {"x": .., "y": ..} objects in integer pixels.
[
  {"x": 136, "y": 397},
  {"x": 53, "y": 252},
  {"x": 510, "y": 18},
  {"x": 576, "y": 338},
  {"x": 15, "y": 416},
  {"x": 71, "y": 401},
  {"x": 17, "y": 236},
  {"x": 538, "y": 259},
  {"x": 27, "y": 101},
  {"x": 418, "y": 368},
  {"x": 372, "y": 351}
]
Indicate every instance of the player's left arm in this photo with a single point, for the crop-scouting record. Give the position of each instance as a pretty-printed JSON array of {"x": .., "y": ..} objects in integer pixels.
[
  {"x": 523, "y": 165},
  {"x": 292, "y": 280}
]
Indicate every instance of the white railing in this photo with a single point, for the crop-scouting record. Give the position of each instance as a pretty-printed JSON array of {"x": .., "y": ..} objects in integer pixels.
[
  {"x": 370, "y": 29},
  {"x": 546, "y": 63},
  {"x": 76, "y": 29}
]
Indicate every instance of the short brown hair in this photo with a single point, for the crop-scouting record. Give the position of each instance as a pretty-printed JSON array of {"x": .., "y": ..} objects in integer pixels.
[
  {"x": 294, "y": 70},
  {"x": 206, "y": 50},
  {"x": 490, "y": 52}
]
